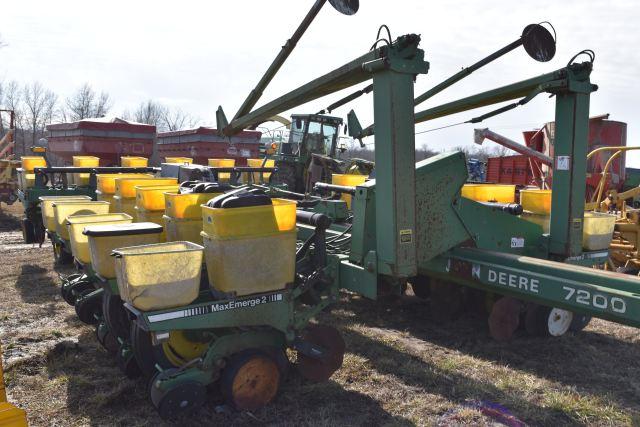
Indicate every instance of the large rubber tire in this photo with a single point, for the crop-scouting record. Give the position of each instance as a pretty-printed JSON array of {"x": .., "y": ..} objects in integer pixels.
[
  {"x": 579, "y": 322},
  {"x": 250, "y": 380},
  {"x": 286, "y": 174}
]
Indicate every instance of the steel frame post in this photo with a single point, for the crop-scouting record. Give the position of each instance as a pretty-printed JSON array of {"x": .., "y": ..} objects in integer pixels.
[
  {"x": 395, "y": 173},
  {"x": 569, "y": 173}
]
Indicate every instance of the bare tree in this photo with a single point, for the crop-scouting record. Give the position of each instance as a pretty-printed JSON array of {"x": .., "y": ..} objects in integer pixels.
[
  {"x": 40, "y": 106},
  {"x": 175, "y": 119},
  {"x": 13, "y": 101},
  {"x": 149, "y": 112},
  {"x": 85, "y": 103}
]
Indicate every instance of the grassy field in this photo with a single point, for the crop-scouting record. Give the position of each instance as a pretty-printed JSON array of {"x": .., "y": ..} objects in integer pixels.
[{"x": 400, "y": 367}]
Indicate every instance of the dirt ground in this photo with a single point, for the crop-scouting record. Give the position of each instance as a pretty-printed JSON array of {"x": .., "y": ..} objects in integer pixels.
[{"x": 401, "y": 368}]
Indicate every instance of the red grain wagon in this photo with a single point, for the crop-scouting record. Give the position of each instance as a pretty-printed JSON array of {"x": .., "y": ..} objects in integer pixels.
[
  {"x": 106, "y": 138},
  {"x": 204, "y": 143}
]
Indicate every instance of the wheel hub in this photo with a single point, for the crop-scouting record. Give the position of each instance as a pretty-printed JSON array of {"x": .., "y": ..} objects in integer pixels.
[{"x": 559, "y": 321}]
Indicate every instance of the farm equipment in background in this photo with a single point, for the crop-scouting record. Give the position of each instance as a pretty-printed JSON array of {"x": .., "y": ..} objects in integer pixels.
[
  {"x": 37, "y": 179},
  {"x": 311, "y": 155},
  {"x": 532, "y": 166},
  {"x": 105, "y": 138},
  {"x": 8, "y": 166}
]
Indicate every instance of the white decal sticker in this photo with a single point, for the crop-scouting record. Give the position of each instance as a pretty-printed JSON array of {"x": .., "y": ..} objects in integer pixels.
[
  {"x": 517, "y": 242},
  {"x": 563, "y": 163}
]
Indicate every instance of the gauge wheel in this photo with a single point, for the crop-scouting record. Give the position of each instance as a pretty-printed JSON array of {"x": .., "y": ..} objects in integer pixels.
[
  {"x": 106, "y": 338},
  {"x": 250, "y": 380},
  {"x": 546, "y": 321},
  {"x": 173, "y": 353},
  {"x": 579, "y": 322}
]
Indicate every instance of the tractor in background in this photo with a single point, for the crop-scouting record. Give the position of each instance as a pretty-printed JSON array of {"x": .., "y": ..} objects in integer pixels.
[{"x": 311, "y": 154}]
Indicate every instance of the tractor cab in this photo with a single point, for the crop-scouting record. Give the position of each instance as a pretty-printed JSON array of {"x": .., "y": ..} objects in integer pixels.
[
  {"x": 313, "y": 141},
  {"x": 311, "y": 134}
]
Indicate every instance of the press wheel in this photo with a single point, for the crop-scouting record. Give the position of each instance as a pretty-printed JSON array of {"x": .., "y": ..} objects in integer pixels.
[
  {"x": 321, "y": 368},
  {"x": 87, "y": 308},
  {"x": 250, "y": 380},
  {"x": 504, "y": 318},
  {"x": 177, "y": 400},
  {"x": 68, "y": 284}
]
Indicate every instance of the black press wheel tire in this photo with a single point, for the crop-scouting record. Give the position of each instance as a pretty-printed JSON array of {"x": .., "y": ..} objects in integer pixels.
[
  {"x": 88, "y": 309},
  {"x": 175, "y": 402},
  {"x": 71, "y": 291},
  {"x": 146, "y": 354}
]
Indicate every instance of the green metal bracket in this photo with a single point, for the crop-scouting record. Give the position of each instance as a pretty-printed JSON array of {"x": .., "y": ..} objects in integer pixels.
[
  {"x": 438, "y": 180},
  {"x": 363, "y": 229},
  {"x": 509, "y": 233},
  {"x": 353, "y": 124},
  {"x": 363, "y": 279}
]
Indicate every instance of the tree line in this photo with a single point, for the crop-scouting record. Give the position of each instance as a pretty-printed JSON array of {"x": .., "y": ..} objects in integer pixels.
[{"x": 36, "y": 106}]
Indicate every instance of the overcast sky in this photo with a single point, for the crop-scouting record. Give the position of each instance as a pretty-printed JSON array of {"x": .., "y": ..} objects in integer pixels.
[{"x": 197, "y": 55}]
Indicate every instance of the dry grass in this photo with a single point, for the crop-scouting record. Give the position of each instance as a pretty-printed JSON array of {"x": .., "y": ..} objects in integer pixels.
[{"x": 400, "y": 368}]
